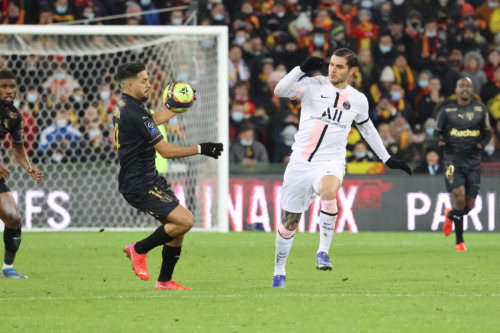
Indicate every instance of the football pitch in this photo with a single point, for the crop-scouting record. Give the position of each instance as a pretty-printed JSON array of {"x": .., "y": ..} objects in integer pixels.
[{"x": 381, "y": 282}]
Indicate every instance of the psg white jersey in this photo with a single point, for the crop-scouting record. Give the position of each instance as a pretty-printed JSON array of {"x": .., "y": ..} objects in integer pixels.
[{"x": 326, "y": 116}]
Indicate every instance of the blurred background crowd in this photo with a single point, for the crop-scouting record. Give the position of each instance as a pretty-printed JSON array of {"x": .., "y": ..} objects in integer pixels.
[{"x": 411, "y": 54}]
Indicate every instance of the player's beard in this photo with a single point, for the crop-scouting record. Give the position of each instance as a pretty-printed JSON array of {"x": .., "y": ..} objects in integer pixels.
[{"x": 7, "y": 103}]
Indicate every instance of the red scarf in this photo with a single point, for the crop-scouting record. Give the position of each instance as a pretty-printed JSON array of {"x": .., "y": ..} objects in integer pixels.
[
  {"x": 346, "y": 18},
  {"x": 427, "y": 48}
]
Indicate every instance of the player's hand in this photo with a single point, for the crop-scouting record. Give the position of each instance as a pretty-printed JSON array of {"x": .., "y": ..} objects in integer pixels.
[
  {"x": 397, "y": 164},
  {"x": 441, "y": 143},
  {"x": 212, "y": 149},
  {"x": 4, "y": 172},
  {"x": 312, "y": 63},
  {"x": 35, "y": 174},
  {"x": 480, "y": 146}
]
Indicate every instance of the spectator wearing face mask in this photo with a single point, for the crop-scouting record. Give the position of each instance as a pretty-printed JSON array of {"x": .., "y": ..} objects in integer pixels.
[
  {"x": 15, "y": 13},
  {"x": 176, "y": 17},
  {"x": 382, "y": 15},
  {"x": 424, "y": 53},
  {"x": 471, "y": 40},
  {"x": 491, "y": 152},
  {"x": 473, "y": 62},
  {"x": 431, "y": 164},
  {"x": 360, "y": 153},
  {"x": 273, "y": 35},
  {"x": 63, "y": 11},
  {"x": 413, "y": 31},
  {"x": 61, "y": 131},
  {"x": 427, "y": 100},
  {"x": 399, "y": 102},
  {"x": 319, "y": 42},
  {"x": 241, "y": 97},
  {"x": 364, "y": 31},
  {"x": 218, "y": 15},
  {"x": 236, "y": 120},
  {"x": 61, "y": 84},
  {"x": 283, "y": 148},
  {"x": 491, "y": 88},
  {"x": 447, "y": 69},
  {"x": 486, "y": 10},
  {"x": 153, "y": 18},
  {"x": 430, "y": 126},
  {"x": 89, "y": 14},
  {"x": 338, "y": 37},
  {"x": 246, "y": 150},
  {"x": 254, "y": 55},
  {"x": 384, "y": 54},
  {"x": 247, "y": 15}
]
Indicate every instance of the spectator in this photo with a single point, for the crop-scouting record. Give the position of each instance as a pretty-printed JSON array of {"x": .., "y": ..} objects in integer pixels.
[
  {"x": 425, "y": 52},
  {"x": 485, "y": 11},
  {"x": 364, "y": 31},
  {"x": 431, "y": 165},
  {"x": 219, "y": 15},
  {"x": 399, "y": 102},
  {"x": 59, "y": 136},
  {"x": 471, "y": 40},
  {"x": 494, "y": 107},
  {"x": 300, "y": 29},
  {"x": 61, "y": 84},
  {"x": 491, "y": 88},
  {"x": 492, "y": 63},
  {"x": 365, "y": 68},
  {"x": 241, "y": 97},
  {"x": 415, "y": 152},
  {"x": 404, "y": 75},
  {"x": 345, "y": 14},
  {"x": 254, "y": 55},
  {"x": 284, "y": 148},
  {"x": 384, "y": 130},
  {"x": 63, "y": 11},
  {"x": 76, "y": 96},
  {"x": 413, "y": 31},
  {"x": 153, "y": 18},
  {"x": 397, "y": 35},
  {"x": 133, "y": 8},
  {"x": 323, "y": 20},
  {"x": 246, "y": 150},
  {"x": 273, "y": 33},
  {"x": 360, "y": 153},
  {"x": 448, "y": 8},
  {"x": 176, "y": 17},
  {"x": 427, "y": 100},
  {"x": 491, "y": 152},
  {"x": 384, "y": 55},
  {"x": 274, "y": 105},
  {"x": 473, "y": 63},
  {"x": 15, "y": 14},
  {"x": 319, "y": 42},
  {"x": 401, "y": 131},
  {"x": 447, "y": 70},
  {"x": 382, "y": 16},
  {"x": 236, "y": 120},
  {"x": 238, "y": 69},
  {"x": 384, "y": 111},
  {"x": 337, "y": 37},
  {"x": 430, "y": 126},
  {"x": 46, "y": 16},
  {"x": 291, "y": 56}
]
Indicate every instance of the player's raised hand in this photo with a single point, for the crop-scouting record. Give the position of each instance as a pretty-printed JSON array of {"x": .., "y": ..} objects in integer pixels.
[
  {"x": 4, "y": 172},
  {"x": 312, "y": 63},
  {"x": 211, "y": 149},
  {"x": 35, "y": 174},
  {"x": 397, "y": 164}
]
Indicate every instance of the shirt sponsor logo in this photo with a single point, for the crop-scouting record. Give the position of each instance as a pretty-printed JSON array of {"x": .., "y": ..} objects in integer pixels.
[
  {"x": 329, "y": 121},
  {"x": 151, "y": 127},
  {"x": 465, "y": 133}
]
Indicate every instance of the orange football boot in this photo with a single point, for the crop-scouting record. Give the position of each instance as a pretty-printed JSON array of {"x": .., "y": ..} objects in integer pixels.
[
  {"x": 139, "y": 265},
  {"x": 460, "y": 247},
  {"x": 448, "y": 223},
  {"x": 170, "y": 285}
]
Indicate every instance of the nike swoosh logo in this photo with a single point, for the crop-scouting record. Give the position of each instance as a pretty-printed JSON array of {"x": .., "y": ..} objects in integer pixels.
[{"x": 324, "y": 96}]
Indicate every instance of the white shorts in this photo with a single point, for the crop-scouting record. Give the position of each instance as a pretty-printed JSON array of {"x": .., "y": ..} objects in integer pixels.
[{"x": 301, "y": 182}]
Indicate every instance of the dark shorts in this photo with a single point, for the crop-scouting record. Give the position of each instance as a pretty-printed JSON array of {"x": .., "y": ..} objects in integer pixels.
[
  {"x": 3, "y": 186},
  {"x": 158, "y": 200},
  {"x": 470, "y": 178}
]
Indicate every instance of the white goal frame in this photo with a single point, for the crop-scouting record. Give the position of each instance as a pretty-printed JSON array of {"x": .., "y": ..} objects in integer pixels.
[{"x": 221, "y": 32}]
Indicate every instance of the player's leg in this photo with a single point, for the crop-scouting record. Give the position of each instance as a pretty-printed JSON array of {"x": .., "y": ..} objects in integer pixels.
[
  {"x": 327, "y": 189},
  {"x": 9, "y": 214},
  {"x": 458, "y": 212},
  {"x": 284, "y": 242}
]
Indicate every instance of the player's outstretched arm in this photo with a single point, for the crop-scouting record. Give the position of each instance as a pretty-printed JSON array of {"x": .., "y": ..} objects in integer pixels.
[
  {"x": 289, "y": 87},
  {"x": 168, "y": 150},
  {"x": 22, "y": 158},
  {"x": 370, "y": 134}
]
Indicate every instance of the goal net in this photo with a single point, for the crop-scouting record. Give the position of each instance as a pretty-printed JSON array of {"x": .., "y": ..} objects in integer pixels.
[{"x": 67, "y": 89}]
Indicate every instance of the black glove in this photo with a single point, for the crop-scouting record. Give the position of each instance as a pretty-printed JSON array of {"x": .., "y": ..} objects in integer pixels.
[
  {"x": 397, "y": 164},
  {"x": 211, "y": 149},
  {"x": 312, "y": 63}
]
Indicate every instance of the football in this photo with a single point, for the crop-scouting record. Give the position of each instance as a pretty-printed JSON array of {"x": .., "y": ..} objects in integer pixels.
[{"x": 178, "y": 97}]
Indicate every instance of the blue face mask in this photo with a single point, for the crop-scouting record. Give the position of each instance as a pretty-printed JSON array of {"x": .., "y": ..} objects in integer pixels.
[
  {"x": 183, "y": 76},
  {"x": 207, "y": 43},
  {"x": 492, "y": 4},
  {"x": 423, "y": 84},
  {"x": 88, "y": 16},
  {"x": 16, "y": 103},
  {"x": 237, "y": 116},
  {"x": 366, "y": 4},
  {"x": 173, "y": 121},
  {"x": 240, "y": 40},
  {"x": 61, "y": 76},
  {"x": 218, "y": 17},
  {"x": 145, "y": 3},
  {"x": 318, "y": 41},
  {"x": 94, "y": 133},
  {"x": 384, "y": 48},
  {"x": 489, "y": 150},
  {"x": 396, "y": 95},
  {"x": 57, "y": 158},
  {"x": 429, "y": 131},
  {"x": 246, "y": 143},
  {"x": 61, "y": 9},
  {"x": 281, "y": 14},
  {"x": 360, "y": 155},
  {"x": 176, "y": 21},
  {"x": 289, "y": 143}
]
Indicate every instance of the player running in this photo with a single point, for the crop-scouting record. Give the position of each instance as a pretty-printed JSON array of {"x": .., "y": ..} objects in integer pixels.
[
  {"x": 463, "y": 128},
  {"x": 12, "y": 122},
  {"x": 317, "y": 163},
  {"x": 138, "y": 139}
]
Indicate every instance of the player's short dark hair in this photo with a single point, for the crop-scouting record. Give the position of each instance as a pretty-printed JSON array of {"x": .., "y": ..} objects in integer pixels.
[
  {"x": 130, "y": 70},
  {"x": 6, "y": 74},
  {"x": 349, "y": 55}
]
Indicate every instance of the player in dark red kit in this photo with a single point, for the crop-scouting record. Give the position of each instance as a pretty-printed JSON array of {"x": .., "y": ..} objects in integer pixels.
[
  {"x": 11, "y": 121},
  {"x": 463, "y": 128},
  {"x": 138, "y": 139}
]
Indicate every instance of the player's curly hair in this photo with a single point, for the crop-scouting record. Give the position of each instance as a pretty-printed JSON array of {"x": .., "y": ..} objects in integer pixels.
[
  {"x": 6, "y": 74},
  {"x": 349, "y": 55},
  {"x": 129, "y": 70}
]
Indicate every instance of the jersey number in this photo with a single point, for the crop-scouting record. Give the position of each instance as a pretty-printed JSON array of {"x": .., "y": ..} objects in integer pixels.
[{"x": 117, "y": 144}]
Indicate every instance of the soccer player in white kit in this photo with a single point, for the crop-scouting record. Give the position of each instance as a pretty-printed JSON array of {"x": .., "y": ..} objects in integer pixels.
[{"x": 317, "y": 163}]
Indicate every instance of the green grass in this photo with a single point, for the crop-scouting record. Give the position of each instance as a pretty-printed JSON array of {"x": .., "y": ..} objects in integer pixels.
[{"x": 381, "y": 282}]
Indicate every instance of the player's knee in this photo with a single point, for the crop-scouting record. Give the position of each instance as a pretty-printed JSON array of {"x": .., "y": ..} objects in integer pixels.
[
  {"x": 187, "y": 222},
  {"x": 460, "y": 203},
  {"x": 328, "y": 195},
  {"x": 13, "y": 220},
  {"x": 329, "y": 206}
]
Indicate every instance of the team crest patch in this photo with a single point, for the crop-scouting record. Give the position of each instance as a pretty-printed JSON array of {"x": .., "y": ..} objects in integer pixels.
[
  {"x": 469, "y": 115},
  {"x": 151, "y": 126},
  {"x": 13, "y": 115},
  {"x": 346, "y": 105},
  {"x": 6, "y": 123}
]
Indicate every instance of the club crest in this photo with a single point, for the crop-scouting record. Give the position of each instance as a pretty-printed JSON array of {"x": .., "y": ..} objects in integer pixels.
[{"x": 346, "y": 105}]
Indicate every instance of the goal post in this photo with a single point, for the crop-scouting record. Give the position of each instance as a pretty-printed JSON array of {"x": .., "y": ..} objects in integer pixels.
[{"x": 80, "y": 189}]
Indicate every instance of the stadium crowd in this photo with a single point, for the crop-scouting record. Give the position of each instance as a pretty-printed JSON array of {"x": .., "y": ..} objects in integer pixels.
[{"x": 410, "y": 52}]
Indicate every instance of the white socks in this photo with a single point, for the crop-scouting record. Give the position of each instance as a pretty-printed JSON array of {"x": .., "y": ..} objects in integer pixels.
[
  {"x": 5, "y": 266},
  {"x": 283, "y": 246},
  {"x": 326, "y": 227}
]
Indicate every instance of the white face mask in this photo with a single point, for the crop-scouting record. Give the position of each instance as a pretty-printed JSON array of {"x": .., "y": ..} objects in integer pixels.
[
  {"x": 94, "y": 133},
  {"x": 61, "y": 123},
  {"x": 105, "y": 94},
  {"x": 489, "y": 150},
  {"x": 32, "y": 98},
  {"x": 57, "y": 158}
]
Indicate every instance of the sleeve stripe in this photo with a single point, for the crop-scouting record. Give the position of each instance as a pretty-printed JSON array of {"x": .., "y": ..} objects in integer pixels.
[
  {"x": 155, "y": 138},
  {"x": 300, "y": 90},
  {"x": 364, "y": 121}
]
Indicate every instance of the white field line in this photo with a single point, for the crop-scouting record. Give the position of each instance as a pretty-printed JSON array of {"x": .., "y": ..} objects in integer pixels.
[{"x": 186, "y": 295}]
